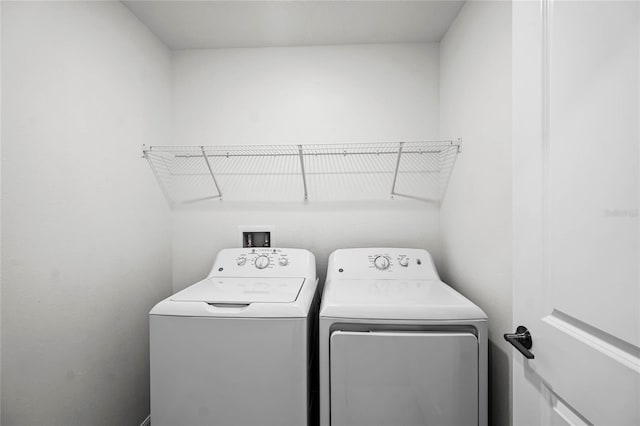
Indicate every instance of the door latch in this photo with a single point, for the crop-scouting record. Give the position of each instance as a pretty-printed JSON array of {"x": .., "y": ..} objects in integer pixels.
[{"x": 521, "y": 340}]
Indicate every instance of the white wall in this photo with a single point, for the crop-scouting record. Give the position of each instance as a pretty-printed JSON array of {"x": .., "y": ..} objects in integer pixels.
[
  {"x": 85, "y": 231},
  {"x": 475, "y": 95},
  {"x": 321, "y": 94},
  {"x": 0, "y": 218},
  {"x": 318, "y": 94}
]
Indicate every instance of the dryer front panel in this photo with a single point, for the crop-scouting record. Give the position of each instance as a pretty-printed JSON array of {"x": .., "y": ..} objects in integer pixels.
[{"x": 403, "y": 378}]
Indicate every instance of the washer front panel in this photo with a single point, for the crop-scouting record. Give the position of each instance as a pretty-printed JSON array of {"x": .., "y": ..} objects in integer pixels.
[{"x": 229, "y": 371}]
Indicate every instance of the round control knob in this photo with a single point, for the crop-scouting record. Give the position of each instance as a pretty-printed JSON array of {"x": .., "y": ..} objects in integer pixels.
[
  {"x": 241, "y": 261},
  {"x": 381, "y": 263},
  {"x": 404, "y": 261},
  {"x": 283, "y": 261},
  {"x": 262, "y": 262}
]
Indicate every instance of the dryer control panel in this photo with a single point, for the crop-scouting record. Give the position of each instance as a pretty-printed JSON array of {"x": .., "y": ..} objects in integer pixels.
[
  {"x": 381, "y": 263},
  {"x": 263, "y": 261}
]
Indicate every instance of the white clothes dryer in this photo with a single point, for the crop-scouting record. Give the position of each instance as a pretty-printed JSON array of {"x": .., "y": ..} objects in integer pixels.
[
  {"x": 397, "y": 345},
  {"x": 236, "y": 349}
]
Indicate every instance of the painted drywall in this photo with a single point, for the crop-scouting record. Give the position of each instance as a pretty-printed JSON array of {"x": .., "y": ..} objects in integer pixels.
[
  {"x": 0, "y": 219},
  {"x": 85, "y": 231},
  {"x": 293, "y": 95},
  {"x": 475, "y": 221}
]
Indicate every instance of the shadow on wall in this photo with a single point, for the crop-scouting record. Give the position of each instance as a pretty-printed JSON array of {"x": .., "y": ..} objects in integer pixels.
[{"x": 499, "y": 387}]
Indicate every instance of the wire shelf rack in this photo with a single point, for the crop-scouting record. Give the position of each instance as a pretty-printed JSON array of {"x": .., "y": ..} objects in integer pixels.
[{"x": 318, "y": 172}]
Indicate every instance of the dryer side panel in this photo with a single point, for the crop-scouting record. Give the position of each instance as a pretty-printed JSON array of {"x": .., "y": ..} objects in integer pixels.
[{"x": 403, "y": 378}]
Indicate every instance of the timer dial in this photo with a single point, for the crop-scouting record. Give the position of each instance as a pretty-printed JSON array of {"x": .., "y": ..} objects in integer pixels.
[
  {"x": 381, "y": 263},
  {"x": 262, "y": 261}
]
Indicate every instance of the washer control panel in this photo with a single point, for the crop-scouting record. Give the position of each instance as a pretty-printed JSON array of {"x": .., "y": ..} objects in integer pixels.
[
  {"x": 262, "y": 258},
  {"x": 382, "y": 263},
  {"x": 262, "y": 261}
]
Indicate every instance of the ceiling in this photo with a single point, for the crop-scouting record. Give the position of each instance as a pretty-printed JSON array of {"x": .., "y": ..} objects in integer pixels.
[{"x": 223, "y": 24}]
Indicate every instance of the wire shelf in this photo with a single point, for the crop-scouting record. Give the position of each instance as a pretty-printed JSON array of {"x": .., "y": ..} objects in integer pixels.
[{"x": 319, "y": 172}]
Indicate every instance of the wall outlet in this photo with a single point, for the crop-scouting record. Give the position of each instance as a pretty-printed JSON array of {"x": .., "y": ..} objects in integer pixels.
[{"x": 256, "y": 236}]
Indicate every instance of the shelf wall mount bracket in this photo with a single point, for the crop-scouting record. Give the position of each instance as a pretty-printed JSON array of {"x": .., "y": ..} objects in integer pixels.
[
  {"x": 213, "y": 176},
  {"x": 395, "y": 173},
  {"x": 304, "y": 175}
]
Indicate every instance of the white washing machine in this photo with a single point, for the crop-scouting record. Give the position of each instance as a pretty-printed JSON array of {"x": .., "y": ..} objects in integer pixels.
[
  {"x": 236, "y": 349},
  {"x": 397, "y": 345}
]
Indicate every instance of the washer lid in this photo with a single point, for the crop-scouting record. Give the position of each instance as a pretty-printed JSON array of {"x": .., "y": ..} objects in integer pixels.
[
  {"x": 396, "y": 299},
  {"x": 234, "y": 290}
]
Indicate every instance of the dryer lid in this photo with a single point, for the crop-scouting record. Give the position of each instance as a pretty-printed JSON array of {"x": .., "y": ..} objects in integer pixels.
[
  {"x": 245, "y": 290},
  {"x": 396, "y": 299}
]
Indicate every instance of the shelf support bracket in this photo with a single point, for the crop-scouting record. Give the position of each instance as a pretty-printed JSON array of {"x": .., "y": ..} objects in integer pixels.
[
  {"x": 304, "y": 176},
  {"x": 395, "y": 174},
  {"x": 215, "y": 182},
  {"x": 165, "y": 192}
]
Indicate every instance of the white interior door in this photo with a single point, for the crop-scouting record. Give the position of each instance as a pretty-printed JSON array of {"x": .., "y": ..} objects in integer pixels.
[{"x": 576, "y": 188}]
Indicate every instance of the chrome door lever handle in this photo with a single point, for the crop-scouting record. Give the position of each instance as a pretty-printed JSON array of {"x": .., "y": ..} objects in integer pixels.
[{"x": 521, "y": 340}]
